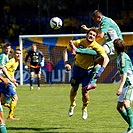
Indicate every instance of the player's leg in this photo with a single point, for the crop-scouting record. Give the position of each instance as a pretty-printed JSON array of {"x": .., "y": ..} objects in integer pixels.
[
  {"x": 109, "y": 49},
  {"x": 5, "y": 100},
  {"x": 121, "y": 109},
  {"x": 124, "y": 107},
  {"x": 92, "y": 73},
  {"x": 12, "y": 108},
  {"x": 50, "y": 77},
  {"x": 76, "y": 73},
  {"x": 38, "y": 72},
  {"x": 7, "y": 103},
  {"x": 11, "y": 92},
  {"x": 85, "y": 94},
  {"x": 73, "y": 93},
  {"x": 127, "y": 101},
  {"x": 31, "y": 77},
  {"x": 2, "y": 121}
]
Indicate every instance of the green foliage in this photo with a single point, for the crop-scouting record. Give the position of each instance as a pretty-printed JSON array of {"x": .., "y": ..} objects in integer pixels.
[{"x": 45, "y": 111}]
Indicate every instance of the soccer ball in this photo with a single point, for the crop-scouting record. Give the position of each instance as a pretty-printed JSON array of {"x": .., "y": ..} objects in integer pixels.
[{"x": 55, "y": 23}]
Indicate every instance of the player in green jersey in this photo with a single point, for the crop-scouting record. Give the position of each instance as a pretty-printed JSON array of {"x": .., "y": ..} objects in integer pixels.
[
  {"x": 125, "y": 89},
  {"x": 4, "y": 57}
]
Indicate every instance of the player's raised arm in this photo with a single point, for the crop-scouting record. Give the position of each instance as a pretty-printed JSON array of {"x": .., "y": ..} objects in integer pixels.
[{"x": 65, "y": 56}]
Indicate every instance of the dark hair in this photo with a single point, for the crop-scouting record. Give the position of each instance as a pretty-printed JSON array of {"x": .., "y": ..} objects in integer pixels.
[
  {"x": 96, "y": 13},
  {"x": 119, "y": 45}
]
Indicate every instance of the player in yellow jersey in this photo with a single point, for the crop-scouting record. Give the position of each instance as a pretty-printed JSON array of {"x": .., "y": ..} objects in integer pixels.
[
  {"x": 83, "y": 67},
  {"x": 9, "y": 70}
]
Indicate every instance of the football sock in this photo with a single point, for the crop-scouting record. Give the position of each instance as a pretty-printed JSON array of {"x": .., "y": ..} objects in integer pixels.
[
  {"x": 38, "y": 82},
  {"x": 72, "y": 100},
  {"x": 8, "y": 100},
  {"x": 12, "y": 109},
  {"x": 123, "y": 113},
  {"x": 3, "y": 128},
  {"x": 130, "y": 117},
  {"x": 31, "y": 81},
  {"x": 85, "y": 103},
  {"x": 86, "y": 51},
  {"x": 93, "y": 79}
]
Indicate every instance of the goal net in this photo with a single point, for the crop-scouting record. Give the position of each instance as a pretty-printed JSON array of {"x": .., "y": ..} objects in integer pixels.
[{"x": 52, "y": 47}]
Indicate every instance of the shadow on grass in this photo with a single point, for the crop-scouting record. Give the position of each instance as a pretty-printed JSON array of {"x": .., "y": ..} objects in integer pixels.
[{"x": 40, "y": 130}]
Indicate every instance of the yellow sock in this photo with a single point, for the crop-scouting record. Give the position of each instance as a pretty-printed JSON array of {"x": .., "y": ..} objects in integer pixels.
[
  {"x": 85, "y": 103},
  {"x": 12, "y": 109}
]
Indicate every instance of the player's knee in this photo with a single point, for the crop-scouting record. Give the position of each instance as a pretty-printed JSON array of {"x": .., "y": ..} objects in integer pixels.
[{"x": 15, "y": 98}]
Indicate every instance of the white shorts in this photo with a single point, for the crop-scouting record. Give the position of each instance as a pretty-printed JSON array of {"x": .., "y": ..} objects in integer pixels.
[
  {"x": 109, "y": 48},
  {"x": 1, "y": 72},
  {"x": 127, "y": 93}
]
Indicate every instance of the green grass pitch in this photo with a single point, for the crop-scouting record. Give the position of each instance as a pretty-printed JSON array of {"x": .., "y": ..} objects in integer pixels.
[{"x": 46, "y": 111}]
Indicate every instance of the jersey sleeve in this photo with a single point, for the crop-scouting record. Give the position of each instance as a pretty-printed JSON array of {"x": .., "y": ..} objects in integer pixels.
[
  {"x": 124, "y": 66},
  {"x": 3, "y": 59},
  {"x": 104, "y": 26},
  {"x": 100, "y": 50}
]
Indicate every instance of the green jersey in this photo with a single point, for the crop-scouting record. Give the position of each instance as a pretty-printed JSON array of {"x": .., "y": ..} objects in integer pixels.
[
  {"x": 124, "y": 65},
  {"x": 3, "y": 59},
  {"x": 110, "y": 29}
]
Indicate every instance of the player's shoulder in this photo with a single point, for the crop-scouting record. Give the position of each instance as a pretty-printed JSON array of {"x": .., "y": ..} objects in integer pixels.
[
  {"x": 39, "y": 51},
  {"x": 82, "y": 40},
  {"x": 11, "y": 60}
]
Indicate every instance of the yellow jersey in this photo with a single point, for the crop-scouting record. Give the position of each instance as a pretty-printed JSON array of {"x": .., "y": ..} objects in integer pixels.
[
  {"x": 11, "y": 66},
  {"x": 83, "y": 60}
]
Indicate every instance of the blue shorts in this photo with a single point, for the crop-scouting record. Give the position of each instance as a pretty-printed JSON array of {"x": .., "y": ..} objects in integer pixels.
[
  {"x": 80, "y": 76},
  {"x": 9, "y": 91}
]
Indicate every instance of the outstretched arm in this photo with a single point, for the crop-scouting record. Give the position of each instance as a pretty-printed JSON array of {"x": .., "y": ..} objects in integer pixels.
[
  {"x": 7, "y": 75},
  {"x": 103, "y": 66},
  {"x": 82, "y": 50},
  {"x": 65, "y": 56},
  {"x": 86, "y": 51}
]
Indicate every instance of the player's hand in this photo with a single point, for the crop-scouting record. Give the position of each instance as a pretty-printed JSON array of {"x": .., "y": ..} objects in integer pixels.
[
  {"x": 6, "y": 82},
  {"x": 98, "y": 74},
  {"x": 42, "y": 64},
  {"x": 119, "y": 91},
  {"x": 16, "y": 84},
  {"x": 26, "y": 67},
  {"x": 68, "y": 67},
  {"x": 84, "y": 27},
  {"x": 12, "y": 80}
]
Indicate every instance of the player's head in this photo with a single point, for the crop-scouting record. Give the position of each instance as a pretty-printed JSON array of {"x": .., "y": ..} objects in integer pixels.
[
  {"x": 97, "y": 16},
  {"x": 7, "y": 48},
  {"x": 17, "y": 54},
  {"x": 119, "y": 45},
  {"x": 34, "y": 47},
  {"x": 91, "y": 34}
]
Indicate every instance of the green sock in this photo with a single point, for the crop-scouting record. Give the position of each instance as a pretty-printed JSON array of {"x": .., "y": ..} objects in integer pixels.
[
  {"x": 93, "y": 80},
  {"x": 123, "y": 113},
  {"x": 3, "y": 128},
  {"x": 8, "y": 100},
  {"x": 86, "y": 51},
  {"x": 130, "y": 117}
]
